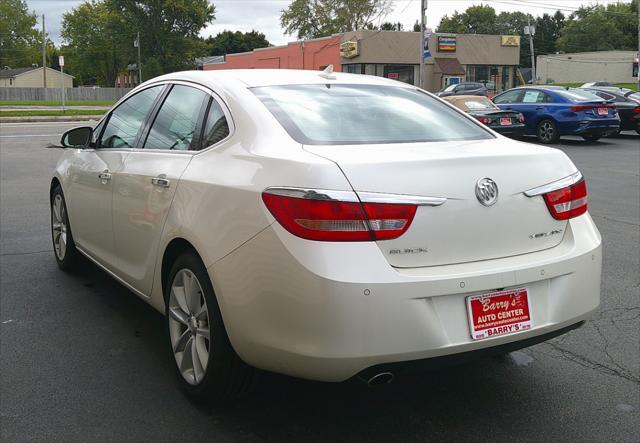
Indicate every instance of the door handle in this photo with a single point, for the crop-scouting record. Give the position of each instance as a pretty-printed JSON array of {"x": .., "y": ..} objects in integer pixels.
[
  {"x": 161, "y": 181},
  {"x": 105, "y": 176}
]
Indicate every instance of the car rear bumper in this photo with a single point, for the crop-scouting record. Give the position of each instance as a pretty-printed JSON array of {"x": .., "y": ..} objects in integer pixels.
[
  {"x": 594, "y": 127},
  {"x": 512, "y": 131},
  {"x": 328, "y": 311}
]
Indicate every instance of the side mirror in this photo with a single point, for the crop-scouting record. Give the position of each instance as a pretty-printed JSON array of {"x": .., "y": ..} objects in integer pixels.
[{"x": 78, "y": 138}]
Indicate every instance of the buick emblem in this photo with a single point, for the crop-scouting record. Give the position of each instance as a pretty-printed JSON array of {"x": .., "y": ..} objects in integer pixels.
[{"x": 487, "y": 191}]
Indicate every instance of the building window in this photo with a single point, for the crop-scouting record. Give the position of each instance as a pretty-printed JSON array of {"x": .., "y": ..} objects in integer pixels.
[
  {"x": 404, "y": 73},
  {"x": 495, "y": 78},
  {"x": 10, "y": 82}
]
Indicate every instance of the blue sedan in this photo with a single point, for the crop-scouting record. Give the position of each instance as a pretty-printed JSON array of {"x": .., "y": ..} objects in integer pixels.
[{"x": 552, "y": 111}]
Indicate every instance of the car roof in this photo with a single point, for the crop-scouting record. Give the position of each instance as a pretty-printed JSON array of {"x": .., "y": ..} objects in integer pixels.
[{"x": 275, "y": 77}]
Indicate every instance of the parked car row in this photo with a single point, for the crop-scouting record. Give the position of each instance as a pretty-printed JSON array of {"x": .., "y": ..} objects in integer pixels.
[{"x": 549, "y": 112}]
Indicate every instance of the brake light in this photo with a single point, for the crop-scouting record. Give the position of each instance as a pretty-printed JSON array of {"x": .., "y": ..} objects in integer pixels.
[
  {"x": 577, "y": 108},
  {"x": 636, "y": 110},
  {"x": 567, "y": 202},
  {"x": 316, "y": 218},
  {"x": 565, "y": 198},
  {"x": 484, "y": 120}
]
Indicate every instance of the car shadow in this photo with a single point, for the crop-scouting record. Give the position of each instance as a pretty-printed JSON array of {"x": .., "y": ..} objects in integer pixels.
[{"x": 288, "y": 408}]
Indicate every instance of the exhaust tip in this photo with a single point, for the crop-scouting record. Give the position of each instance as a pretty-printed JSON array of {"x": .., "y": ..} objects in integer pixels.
[{"x": 383, "y": 378}]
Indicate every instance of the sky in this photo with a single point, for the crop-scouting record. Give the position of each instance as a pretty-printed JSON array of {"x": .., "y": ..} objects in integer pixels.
[{"x": 264, "y": 15}]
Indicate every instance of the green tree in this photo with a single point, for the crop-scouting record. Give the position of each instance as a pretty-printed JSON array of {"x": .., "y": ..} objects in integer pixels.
[
  {"x": 229, "y": 42},
  {"x": 547, "y": 32},
  {"x": 96, "y": 47},
  {"x": 388, "y": 26},
  {"x": 169, "y": 29},
  {"x": 416, "y": 26},
  {"x": 319, "y": 18},
  {"x": 20, "y": 42},
  {"x": 479, "y": 19},
  {"x": 99, "y": 36},
  {"x": 600, "y": 28}
]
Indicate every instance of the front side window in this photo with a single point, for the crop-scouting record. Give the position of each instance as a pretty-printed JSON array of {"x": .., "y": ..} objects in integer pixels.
[
  {"x": 512, "y": 96},
  {"x": 327, "y": 114},
  {"x": 126, "y": 120},
  {"x": 174, "y": 128}
]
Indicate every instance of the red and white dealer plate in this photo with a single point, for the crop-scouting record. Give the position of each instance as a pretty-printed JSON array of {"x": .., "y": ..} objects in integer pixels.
[{"x": 499, "y": 313}]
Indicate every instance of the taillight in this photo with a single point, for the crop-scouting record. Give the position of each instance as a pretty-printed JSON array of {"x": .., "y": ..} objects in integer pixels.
[
  {"x": 636, "y": 110},
  {"x": 520, "y": 118},
  {"x": 314, "y": 217},
  {"x": 484, "y": 120},
  {"x": 565, "y": 198},
  {"x": 577, "y": 108}
]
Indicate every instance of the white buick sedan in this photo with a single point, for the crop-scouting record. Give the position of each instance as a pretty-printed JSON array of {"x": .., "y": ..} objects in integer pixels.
[{"x": 324, "y": 226}]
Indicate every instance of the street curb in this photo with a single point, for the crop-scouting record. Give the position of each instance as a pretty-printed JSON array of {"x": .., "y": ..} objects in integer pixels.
[{"x": 51, "y": 118}]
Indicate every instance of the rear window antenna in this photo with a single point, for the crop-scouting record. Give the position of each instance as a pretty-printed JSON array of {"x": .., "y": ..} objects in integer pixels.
[{"x": 328, "y": 73}]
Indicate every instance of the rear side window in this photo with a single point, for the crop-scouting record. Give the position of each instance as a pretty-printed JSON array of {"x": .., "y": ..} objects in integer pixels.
[
  {"x": 216, "y": 127},
  {"x": 364, "y": 114},
  {"x": 533, "y": 97},
  {"x": 512, "y": 96},
  {"x": 177, "y": 121},
  {"x": 577, "y": 95}
]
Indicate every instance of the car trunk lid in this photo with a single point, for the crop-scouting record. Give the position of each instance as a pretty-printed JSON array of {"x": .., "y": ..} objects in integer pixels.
[{"x": 462, "y": 229}]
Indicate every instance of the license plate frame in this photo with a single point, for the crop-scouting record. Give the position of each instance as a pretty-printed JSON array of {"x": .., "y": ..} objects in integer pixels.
[
  {"x": 505, "y": 121},
  {"x": 496, "y": 313}
]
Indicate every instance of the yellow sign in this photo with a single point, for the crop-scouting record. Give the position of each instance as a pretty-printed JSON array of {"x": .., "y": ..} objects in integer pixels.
[
  {"x": 349, "y": 49},
  {"x": 510, "y": 40}
]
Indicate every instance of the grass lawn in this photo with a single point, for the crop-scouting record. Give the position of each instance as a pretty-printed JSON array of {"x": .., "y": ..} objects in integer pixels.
[
  {"x": 50, "y": 113},
  {"x": 57, "y": 103}
]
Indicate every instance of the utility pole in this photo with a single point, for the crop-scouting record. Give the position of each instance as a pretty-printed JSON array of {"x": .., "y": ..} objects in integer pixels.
[
  {"x": 44, "y": 58},
  {"x": 137, "y": 45},
  {"x": 531, "y": 30},
  {"x": 423, "y": 44}
]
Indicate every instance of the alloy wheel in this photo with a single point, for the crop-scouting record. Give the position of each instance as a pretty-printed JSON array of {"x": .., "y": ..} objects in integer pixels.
[
  {"x": 189, "y": 326},
  {"x": 546, "y": 131},
  {"x": 59, "y": 227}
]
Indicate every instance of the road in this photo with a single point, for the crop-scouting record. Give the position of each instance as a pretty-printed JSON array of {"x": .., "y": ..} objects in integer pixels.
[{"x": 84, "y": 359}]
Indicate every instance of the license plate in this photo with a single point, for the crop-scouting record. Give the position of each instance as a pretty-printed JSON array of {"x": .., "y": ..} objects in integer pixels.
[
  {"x": 603, "y": 111},
  {"x": 505, "y": 121},
  {"x": 499, "y": 313}
]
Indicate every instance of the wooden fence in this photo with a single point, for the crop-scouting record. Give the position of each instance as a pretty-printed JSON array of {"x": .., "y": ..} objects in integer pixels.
[{"x": 52, "y": 94}]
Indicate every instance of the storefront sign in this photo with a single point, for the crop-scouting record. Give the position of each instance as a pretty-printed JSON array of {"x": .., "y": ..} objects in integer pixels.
[
  {"x": 349, "y": 49},
  {"x": 447, "y": 43},
  {"x": 510, "y": 40},
  {"x": 393, "y": 75}
]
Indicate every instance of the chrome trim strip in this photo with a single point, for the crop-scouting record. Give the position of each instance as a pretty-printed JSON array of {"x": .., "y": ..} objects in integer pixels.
[
  {"x": 376, "y": 197},
  {"x": 355, "y": 197},
  {"x": 553, "y": 186},
  {"x": 114, "y": 276},
  {"x": 314, "y": 194}
]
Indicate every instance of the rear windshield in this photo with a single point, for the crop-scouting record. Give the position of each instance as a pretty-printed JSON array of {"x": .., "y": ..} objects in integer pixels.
[
  {"x": 359, "y": 114},
  {"x": 578, "y": 95},
  {"x": 479, "y": 104}
]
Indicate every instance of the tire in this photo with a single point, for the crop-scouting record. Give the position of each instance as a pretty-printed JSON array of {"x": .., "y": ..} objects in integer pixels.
[
  {"x": 64, "y": 248},
  {"x": 209, "y": 370},
  {"x": 592, "y": 137},
  {"x": 547, "y": 132}
]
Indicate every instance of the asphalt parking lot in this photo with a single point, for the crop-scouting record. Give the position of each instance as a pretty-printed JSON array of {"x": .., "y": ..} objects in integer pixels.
[{"x": 84, "y": 359}]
